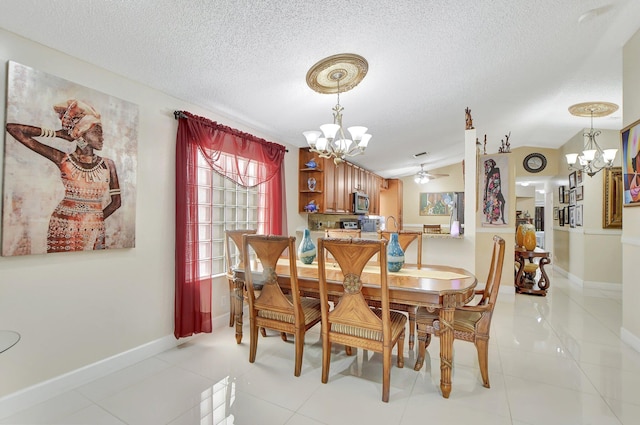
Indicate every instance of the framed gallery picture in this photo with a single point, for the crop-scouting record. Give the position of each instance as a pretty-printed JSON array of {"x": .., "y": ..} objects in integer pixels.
[
  {"x": 578, "y": 215},
  {"x": 579, "y": 177},
  {"x": 566, "y": 196},
  {"x": 572, "y": 216},
  {"x": 579, "y": 193},
  {"x": 572, "y": 197},
  {"x": 561, "y": 194},
  {"x": 612, "y": 199},
  {"x": 561, "y": 216},
  {"x": 555, "y": 213},
  {"x": 572, "y": 180},
  {"x": 631, "y": 164}
]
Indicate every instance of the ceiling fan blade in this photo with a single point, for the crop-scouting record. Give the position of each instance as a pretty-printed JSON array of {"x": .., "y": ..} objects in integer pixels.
[{"x": 436, "y": 176}]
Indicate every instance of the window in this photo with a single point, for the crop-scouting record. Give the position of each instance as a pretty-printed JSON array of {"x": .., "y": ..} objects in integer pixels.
[{"x": 222, "y": 205}]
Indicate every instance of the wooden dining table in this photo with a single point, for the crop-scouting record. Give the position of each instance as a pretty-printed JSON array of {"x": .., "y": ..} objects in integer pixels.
[{"x": 433, "y": 286}]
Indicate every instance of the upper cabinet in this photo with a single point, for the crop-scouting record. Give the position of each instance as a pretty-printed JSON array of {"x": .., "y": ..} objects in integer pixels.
[{"x": 330, "y": 186}]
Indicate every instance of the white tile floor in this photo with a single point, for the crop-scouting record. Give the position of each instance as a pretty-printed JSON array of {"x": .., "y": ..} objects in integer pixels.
[{"x": 553, "y": 360}]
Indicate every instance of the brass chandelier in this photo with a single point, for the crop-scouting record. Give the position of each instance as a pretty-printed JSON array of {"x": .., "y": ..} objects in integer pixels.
[
  {"x": 337, "y": 74},
  {"x": 593, "y": 158}
]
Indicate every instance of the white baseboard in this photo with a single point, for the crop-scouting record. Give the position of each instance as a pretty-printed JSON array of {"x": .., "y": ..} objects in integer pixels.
[
  {"x": 588, "y": 284},
  {"x": 23, "y": 399}
]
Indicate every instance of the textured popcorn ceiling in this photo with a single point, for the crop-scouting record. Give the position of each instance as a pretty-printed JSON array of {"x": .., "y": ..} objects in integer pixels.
[{"x": 518, "y": 64}]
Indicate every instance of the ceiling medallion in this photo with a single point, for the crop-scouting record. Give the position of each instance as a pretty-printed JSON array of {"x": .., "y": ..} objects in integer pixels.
[
  {"x": 346, "y": 68},
  {"x": 595, "y": 109}
]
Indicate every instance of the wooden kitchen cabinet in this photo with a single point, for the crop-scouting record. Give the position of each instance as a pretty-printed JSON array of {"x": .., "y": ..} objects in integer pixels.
[
  {"x": 335, "y": 185},
  {"x": 391, "y": 203}
]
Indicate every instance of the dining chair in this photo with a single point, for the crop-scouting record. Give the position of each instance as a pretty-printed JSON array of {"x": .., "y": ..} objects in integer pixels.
[
  {"x": 405, "y": 238},
  {"x": 233, "y": 246},
  {"x": 471, "y": 322},
  {"x": 352, "y": 322},
  {"x": 342, "y": 234},
  {"x": 272, "y": 308}
]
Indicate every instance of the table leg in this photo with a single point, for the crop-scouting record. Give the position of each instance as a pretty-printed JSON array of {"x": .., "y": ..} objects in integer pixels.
[
  {"x": 518, "y": 278},
  {"x": 543, "y": 283},
  {"x": 238, "y": 300},
  {"x": 446, "y": 345}
]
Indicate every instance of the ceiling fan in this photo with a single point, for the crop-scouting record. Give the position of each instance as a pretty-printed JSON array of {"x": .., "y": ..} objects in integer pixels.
[{"x": 423, "y": 176}]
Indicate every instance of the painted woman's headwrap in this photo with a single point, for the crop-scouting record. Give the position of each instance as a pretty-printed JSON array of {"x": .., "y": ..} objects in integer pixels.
[
  {"x": 77, "y": 117},
  {"x": 488, "y": 165}
]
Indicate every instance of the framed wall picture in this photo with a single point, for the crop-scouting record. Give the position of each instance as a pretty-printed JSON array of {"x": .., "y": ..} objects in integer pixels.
[
  {"x": 70, "y": 185},
  {"x": 572, "y": 180},
  {"x": 579, "y": 177},
  {"x": 572, "y": 197},
  {"x": 579, "y": 193},
  {"x": 555, "y": 213},
  {"x": 579, "y": 215},
  {"x": 561, "y": 194},
  {"x": 631, "y": 164},
  {"x": 572, "y": 216},
  {"x": 493, "y": 193},
  {"x": 612, "y": 193},
  {"x": 436, "y": 203},
  {"x": 561, "y": 216},
  {"x": 566, "y": 196}
]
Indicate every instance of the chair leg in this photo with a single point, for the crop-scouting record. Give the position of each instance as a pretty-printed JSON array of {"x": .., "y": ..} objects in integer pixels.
[
  {"x": 348, "y": 350},
  {"x": 232, "y": 305},
  {"x": 412, "y": 326},
  {"x": 299, "y": 342},
  {"x": 386, "y": 373},
  {"x": 253, "y": 342},
  {"x": 283, "y": 336},
  {"x": 424, "y": 339},
  {"x": 263, "y": 332},
  {"x": 326, "y": 358},
  {"x": 400, "y": 359},
  {"x": 482, "y": 345}
]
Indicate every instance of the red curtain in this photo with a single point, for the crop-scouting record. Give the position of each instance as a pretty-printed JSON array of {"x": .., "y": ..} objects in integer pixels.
[{"x": 241, "y": 157}]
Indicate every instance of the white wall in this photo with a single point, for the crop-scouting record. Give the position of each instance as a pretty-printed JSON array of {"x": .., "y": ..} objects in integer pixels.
[{"x": 76, "y": 309}]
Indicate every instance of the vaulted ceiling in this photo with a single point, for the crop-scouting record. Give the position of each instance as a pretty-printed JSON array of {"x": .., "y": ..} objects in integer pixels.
[{"x": 517, "y": 64}]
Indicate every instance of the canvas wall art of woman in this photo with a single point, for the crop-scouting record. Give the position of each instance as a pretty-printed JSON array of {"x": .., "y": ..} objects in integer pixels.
[{"x": 91, "y": 187}]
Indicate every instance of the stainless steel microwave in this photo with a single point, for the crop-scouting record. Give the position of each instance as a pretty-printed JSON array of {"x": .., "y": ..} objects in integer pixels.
[{"x": 360, "y": 203}]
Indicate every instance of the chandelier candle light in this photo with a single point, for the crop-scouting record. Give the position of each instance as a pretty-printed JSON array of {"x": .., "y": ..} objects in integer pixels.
[
  {"x": 336, "y": 74},
  {"x": 593, "y": 158}
]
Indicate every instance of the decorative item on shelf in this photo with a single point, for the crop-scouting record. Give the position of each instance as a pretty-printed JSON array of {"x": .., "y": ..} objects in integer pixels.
[
  {"x": 306, "y": 249},
  {"x": 593, "y": 157},
  {"x": 335, "y": 74},
  {"x": 311, "y": 182},
  {"x": 311, "y": 207},
  {"x": 311, "y": 164},
  {"x": 455, "y": 228},
  {"x": 395, "y": 254},
  {"x": 505, "y": 147},
  {"x": 467, "y": 119}
]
